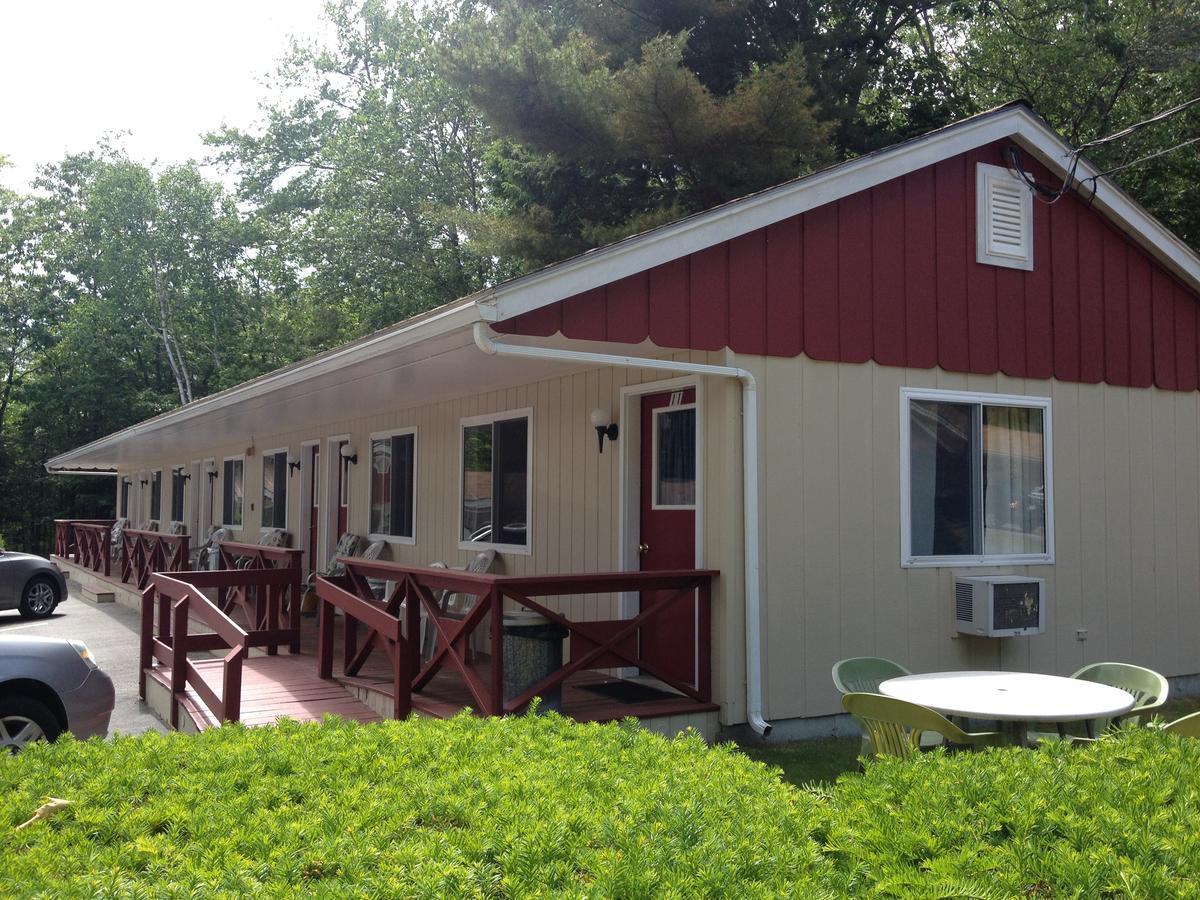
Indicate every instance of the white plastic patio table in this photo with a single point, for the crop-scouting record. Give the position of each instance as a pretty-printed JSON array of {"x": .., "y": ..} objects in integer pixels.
[{"x": 1015, "y": 697}]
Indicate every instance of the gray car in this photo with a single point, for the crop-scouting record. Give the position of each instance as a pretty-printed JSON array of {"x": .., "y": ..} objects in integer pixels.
[
  {"x": 48, "y": 686},
  {"x": 30, "y": 584}
]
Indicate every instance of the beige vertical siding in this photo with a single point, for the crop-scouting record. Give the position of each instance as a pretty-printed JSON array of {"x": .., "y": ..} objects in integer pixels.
[
  {"x": 1126, "y": 496},
  {"x": 575, "y": 512},
  {"x": 1127, "y": 531}
]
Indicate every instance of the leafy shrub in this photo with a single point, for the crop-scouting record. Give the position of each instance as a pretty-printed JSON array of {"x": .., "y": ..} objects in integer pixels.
[
  {"x": 542, "y": 806},
  {"x": 465, "y": 807}
]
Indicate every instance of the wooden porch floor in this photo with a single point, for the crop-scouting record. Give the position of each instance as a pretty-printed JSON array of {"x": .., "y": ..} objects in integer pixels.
[{"x": 285, "y": 685}]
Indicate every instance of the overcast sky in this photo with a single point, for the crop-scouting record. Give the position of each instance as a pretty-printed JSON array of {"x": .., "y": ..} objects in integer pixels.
[{"x": 166, "y": 71}]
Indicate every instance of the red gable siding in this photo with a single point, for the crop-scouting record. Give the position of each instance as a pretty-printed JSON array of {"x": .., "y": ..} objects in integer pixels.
[{"x": 889, "y": 274}]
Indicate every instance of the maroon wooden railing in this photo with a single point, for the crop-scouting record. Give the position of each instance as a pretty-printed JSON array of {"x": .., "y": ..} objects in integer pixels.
[
  {"x": 176, "y": 598},
  {"x": 146, "y": 552},
  {"x": 66, "y": 541},
  {"x": 264, "y": 607},
  {"x": 395, "y": 623},
  {"x": 93, "y": 547}
]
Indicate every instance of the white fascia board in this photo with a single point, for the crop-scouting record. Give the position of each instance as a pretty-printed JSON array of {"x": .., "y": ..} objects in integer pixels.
[
  {"x": 641, "y": 252},
  {"x": 461, "y": 314},
  {"x": 1149, "y": 233}
]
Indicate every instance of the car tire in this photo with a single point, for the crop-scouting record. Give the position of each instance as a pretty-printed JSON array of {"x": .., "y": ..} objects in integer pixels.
[
  {"x": 39, "y": 598},
  {"x": 23, "y": 720}
]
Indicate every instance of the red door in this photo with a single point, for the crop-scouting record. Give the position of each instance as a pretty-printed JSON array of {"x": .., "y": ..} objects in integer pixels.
[
  {"x": 314, "y": 504},
  {"x": 343, "y": 492},
  {"x": 668, "y": 524}
]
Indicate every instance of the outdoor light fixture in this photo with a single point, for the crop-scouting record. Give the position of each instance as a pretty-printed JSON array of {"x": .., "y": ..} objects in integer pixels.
[
  {"x": 212, "y": 471},
  {"x": 349, "y": 454},
  {"x": 604, "y": 425},
  {"x": 183, "y": 474},
  {"x": 293, "y": 464},
  {"x": 144, "y": 481}
]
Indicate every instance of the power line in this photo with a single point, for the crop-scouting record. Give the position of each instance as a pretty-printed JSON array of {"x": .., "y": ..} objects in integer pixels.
[
  {"x": 1051, "y": 195},
  {"x": 1165, "y": 114}
]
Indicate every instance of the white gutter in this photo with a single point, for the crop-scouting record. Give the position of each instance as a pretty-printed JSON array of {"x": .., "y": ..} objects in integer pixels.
[{"x": 754, "y": 713}]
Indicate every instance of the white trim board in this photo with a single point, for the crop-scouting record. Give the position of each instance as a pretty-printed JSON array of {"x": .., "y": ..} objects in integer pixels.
[{"x": 645, "y": 251}]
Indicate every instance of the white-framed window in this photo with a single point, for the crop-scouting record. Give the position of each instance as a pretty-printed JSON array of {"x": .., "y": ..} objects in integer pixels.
[
  {"x": 233, "y": 491},
  {"x": 393, "y": 485},
  {"x": 496, "y": 487},
  {"x": 976, "y": 480},
  {"x": 674, "y": 457},
  {"x": 177, "y": 487},
  {"x": 274, "y": 488},
  {"x": 156, "y": 494}
]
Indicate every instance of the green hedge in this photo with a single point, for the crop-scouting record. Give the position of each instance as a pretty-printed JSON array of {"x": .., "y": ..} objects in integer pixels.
[{"x": 542, "y": 806}]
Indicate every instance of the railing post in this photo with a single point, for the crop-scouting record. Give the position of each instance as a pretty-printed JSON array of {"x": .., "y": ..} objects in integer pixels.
[
  {"x": 496, "y": 601},
  {"x": 179, "y": 615},
  {"x": 231, "y": 686},
  {"x": 147, "y": 638},
  {"x": 704, "y": 639},
  {"x": 401, "y": 676},
  {"x": 295, "y": 589},
  {"x": 415, "y": 591},
  {"x": 324, "y": 638}
]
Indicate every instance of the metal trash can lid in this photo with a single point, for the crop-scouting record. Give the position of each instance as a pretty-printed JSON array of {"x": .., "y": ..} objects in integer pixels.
[{"x": 524, "y": 618}]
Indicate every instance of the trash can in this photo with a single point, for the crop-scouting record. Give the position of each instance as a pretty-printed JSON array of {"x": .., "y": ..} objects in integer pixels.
[{"x": 532, "y": 650}]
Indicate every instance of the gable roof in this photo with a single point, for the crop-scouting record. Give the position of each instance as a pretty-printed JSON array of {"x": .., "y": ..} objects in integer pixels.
[
  {"x": 1014, "y": 121},
  {"x": 425, "y": 336}
]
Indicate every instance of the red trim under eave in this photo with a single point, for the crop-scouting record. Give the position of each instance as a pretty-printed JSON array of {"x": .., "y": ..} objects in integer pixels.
[{"x": 889, "y": 274}]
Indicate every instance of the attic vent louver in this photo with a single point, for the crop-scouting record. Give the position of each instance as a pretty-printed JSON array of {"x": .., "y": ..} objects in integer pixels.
[{"x": 1004, "y": 218}]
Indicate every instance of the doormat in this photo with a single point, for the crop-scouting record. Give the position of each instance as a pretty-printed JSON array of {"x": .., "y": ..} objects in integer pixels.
[{"x": 629, "y": 692}]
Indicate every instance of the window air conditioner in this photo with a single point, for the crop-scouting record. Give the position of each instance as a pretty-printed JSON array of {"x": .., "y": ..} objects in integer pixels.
[{"x": 1000, "y": 605}]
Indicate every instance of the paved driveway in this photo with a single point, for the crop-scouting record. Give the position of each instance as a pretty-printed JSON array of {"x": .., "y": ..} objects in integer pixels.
[{"x": 111, "y": 632}]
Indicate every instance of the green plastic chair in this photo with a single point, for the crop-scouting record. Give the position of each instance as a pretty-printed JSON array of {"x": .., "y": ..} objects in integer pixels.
[
  {"x": 1188, "y": 726},
  {"x": 1149, "y": 689},
  {"x": 895, "y": 726},
  {"x": 863, "y": 674}
]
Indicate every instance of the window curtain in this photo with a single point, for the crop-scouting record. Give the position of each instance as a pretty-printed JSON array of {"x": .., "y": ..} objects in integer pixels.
[{"x": 1014, "y": 481}]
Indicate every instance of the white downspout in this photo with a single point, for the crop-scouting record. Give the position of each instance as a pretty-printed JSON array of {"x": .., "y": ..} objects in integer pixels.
[{"x": 754, "y": 713}]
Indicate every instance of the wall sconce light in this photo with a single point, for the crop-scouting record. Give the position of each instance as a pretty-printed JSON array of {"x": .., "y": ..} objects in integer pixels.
[
  {"x": 293, "y": 464},
  {"x": 144, "y": 481},
  {"x": 212, "y": 471},
  {"x": 349, "y": 454},
  {"x": 604, "y": 425},
  {"x": 184, "y": 474}
]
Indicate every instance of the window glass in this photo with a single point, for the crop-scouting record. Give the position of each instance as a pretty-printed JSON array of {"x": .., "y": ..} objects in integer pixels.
[
  {"x": 675, "y": 458},
  {"x": 156, "y": 495},
  {"x": 977, "y": 479},
  {"x": 177, "y": 484},
  {"x": 496, "y": 482},
  {"x": 1014, "y": 480},
  {"x": 509, "y": 485},
  {"x": 233, "y": 492},
  {"x": 274, "y": 490},
  {"x": 392, "y": 472},
  {"x": 126, "y": 484},
  {"x": 477, "y": 483},
  {"x": 940, "y": 463}
]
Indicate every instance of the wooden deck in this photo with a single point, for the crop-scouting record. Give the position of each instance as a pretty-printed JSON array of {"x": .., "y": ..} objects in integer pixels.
[{"x": 274, "y": 687}]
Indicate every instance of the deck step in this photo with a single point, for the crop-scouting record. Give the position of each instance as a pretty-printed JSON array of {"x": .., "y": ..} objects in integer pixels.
[{"x": 272, "y": 687}]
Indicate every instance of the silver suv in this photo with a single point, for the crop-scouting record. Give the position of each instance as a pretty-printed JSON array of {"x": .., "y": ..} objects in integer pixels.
[{"x": 48, "y": 686}]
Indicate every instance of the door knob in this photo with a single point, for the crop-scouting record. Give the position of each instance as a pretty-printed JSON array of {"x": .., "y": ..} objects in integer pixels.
[{"x": 643, "y": 548}]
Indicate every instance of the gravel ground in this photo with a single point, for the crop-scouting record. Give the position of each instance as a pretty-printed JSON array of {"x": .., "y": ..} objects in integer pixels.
[{"x": 111, "y": 633}]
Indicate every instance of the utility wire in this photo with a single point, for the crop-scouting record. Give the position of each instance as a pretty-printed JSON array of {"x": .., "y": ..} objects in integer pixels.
[{"x": 1050, "y": 195}]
